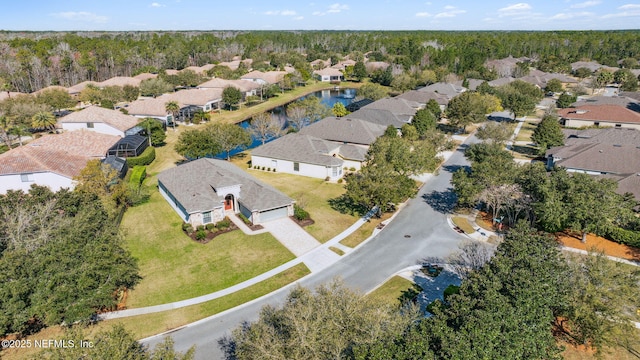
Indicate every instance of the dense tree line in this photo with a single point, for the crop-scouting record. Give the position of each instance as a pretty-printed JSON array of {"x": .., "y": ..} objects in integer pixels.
[
  {"x": 31, "y": 61},
  {"x": 61, "y": 259}
]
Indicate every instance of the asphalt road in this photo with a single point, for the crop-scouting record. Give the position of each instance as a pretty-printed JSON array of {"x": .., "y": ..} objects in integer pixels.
[{"x": 420, "y": 230}]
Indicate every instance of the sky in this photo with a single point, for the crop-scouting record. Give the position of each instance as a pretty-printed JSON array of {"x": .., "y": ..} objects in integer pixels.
[{"x": 121, "y": 15}]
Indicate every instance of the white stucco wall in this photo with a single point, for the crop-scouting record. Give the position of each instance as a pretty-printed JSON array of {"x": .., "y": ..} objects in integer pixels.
[
  {"x": 97, "y": 127},
  {"x": 54, "y": 181},
  {"x": 286, "y": 166}
]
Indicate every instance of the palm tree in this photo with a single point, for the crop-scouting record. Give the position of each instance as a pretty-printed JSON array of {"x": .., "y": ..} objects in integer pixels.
[
  {"x": 19, "y": 131},
  {"x": 43, "y": 120},
  {"x": 173, "y": 108}
]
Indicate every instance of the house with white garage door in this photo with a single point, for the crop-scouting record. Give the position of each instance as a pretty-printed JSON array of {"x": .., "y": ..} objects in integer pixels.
[{"x": 204, "y": 191}]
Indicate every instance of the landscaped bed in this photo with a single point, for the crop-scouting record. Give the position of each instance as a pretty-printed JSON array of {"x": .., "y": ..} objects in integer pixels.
[{"x": 599, "y": 244}]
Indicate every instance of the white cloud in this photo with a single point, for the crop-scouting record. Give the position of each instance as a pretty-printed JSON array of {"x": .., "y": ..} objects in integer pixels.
[
  {"x": 83, "y": 16},
  {"x": 567, "y": 16},
  {"x": 514, "y": 10},
  {"x": 629, "y": 7},
  {"x": 423, "y": 14},
  {"x": 281, "y": 12},
  {"x": 337, "y": 7},
  {"x": 298, "y": 18},
  {"x": 155, "y": 4},
  {"x": 585, "y": 4},
  {"x": 333, "y": 9},
  {"x": 452, "y": 12},
  {"x": 628, "y": 10}
]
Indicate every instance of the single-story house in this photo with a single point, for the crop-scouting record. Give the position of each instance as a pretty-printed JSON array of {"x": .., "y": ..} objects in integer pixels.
[
  {"x": 505, "y": 66},
  {"x": 248, "y": 88},
  {"x": 328, "y": 75},
  {"x": 347, "y": 130},
  {"x": 423, "y": 97},
  {"x": 150, "y": 108},
  {"x": 264, "y": 78},
  {"x": 379, "y": 116},
  {"x": 76, "y": 89},
  {"x": 403, "y": 109},
  {"x": 448, "y": 90},
  {"x": 301, "y": 154},
  {"x": 600, "y": 115},
  {"x": 52, "y": 160},
  {"x": 99, "y": 119},
  {"x": 190, "y": 101},
  {"x": 120, "y": 81},
  {"x": 204, "y": 191},
  {"x": 357, "y": 105}
]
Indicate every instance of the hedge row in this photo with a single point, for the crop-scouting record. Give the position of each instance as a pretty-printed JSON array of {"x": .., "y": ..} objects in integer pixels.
[
  {"x": 626, "y": 237},
  {"x": 138, "y": 174},
  {"x": 146, "y": 158}
]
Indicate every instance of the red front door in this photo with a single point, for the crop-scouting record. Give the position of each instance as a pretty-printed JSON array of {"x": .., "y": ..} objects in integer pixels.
[{"x": 228, "y": 205}]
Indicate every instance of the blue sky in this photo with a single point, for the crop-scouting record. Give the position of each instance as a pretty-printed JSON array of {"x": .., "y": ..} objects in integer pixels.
[{"x": 320, "y": 15}]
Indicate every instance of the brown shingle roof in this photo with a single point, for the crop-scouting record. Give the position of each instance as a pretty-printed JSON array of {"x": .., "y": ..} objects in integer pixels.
[
  {"x": 328, "y": 72},
  {"x": 193, "y": 184},
  {"x": 65, "y": 154},
  {"x": 121, "y": 81},
  {"x": 242, "y": 85},
  {"x": 602, "y": 113},
  {"x": 148, "y": 107},
  {"x": 300, "y": 148},
  {"x": 97, "y": 114}
]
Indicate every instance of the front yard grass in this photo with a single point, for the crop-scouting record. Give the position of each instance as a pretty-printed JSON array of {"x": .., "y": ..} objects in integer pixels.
[
  {"x": 527, "y": 130},
  {"x": 311, "y": 194},
  {"x": 362, "y": 233},
  {"x": 174, "y": 267},
  {"x": 392, "y": 290}
]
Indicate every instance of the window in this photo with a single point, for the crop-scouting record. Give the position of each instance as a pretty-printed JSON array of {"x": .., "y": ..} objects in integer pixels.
[
  {"x": 206, "y": 217},
  {"x": 90, "y": 125},
  {"x": 596, "y": 123},
  {"x": 26, "y": 177},
  {"x": 618, "y": 125},
  {"x": 296, "y": 166},
  {"x": 274, "y": 164},
  {"x": 334, "y": 171}
]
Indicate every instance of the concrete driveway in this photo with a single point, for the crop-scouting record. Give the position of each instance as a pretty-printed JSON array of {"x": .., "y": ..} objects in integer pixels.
[{"x": 291, "y": 235}]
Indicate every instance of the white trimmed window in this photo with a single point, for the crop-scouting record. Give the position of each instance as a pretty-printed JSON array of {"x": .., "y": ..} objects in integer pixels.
[
  {"x": 26, "y": 177},
  {"x": 206, "y": 217}
]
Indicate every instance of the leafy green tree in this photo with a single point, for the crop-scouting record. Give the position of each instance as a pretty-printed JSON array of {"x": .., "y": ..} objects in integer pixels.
[
  {"x": 173, "y": 108},
  {"x": 228, "y": 136},
  {"x": 554, "y": 85},
  {"x": 341, "y": 321},
  {"x": 130, "y": 93},
  {"x": 519, "y": 104},
  {"x": 434, "y": 107},
  {"x": 264, "y": 127},
  {"x": 582, "y": 73},
  {"x": 383, "y": 77},
  {"x": 424, "y": 121},
  {"x": 604, "y": 77},
  {"x": 485, "y": 88},
  {"x": 63, "y": 256},
  {"x": 372, "y": 91},
  {"x": 154, "y": 130},
  {"x": 409, "y": 132},
  {"x": 43, "y": 120},
  {"x": 378, "y": 186},
  {"x": 601, "y": 293},
  {"x": 403, "y": 82},
  {"x": 359, "y": 71},
  {"x": 155, "y": 87},
  {"x": 314, "y": 108},
  {"x": 339, "y": 110},
  {"x": 390, "y": 132},
  {"x": 195, "y": 144},
  {"x": 56, "y": 99},
  {"x": 231, "y": 96},
  {"x": 466, "y": 109},
  {"x": 548, "y": 134},
  {"x": 565, "y": 100}
]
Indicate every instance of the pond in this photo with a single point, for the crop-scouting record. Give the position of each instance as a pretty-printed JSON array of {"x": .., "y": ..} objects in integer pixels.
[{"x": 328, "y": 97}]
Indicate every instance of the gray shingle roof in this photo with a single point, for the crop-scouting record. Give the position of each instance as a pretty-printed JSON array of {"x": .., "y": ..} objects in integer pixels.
[
  {"x": 193, "y": 184},
  {"x": 353, "y": 152},
  {"x": 423, "y": 97},
  {"x": 402, "y": 108},
  {"x": 346, "y": 129},
  {"x": 380, "y": 117},
  {"x": 302, "y": 148},
  {"x": 615, "y": 159}
]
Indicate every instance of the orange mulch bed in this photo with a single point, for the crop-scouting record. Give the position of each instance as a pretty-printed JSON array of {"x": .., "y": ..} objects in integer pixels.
[{"x": 599, "y": 244}]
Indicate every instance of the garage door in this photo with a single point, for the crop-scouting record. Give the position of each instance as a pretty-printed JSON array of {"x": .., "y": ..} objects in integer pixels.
[{"x": 273, "y": 214}]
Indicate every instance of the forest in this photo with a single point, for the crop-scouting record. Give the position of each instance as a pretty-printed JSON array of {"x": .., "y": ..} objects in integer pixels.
[{"x": 30, "y": 61}]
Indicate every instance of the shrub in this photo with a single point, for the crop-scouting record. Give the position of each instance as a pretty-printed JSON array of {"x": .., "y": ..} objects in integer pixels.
[
  {"x": 274, "y": 169},
  {"x": 138, "y": 174},
  {"x": 340, "y": 181},
  {"x": 244, "y": 219},
  {"x": 327, "y": 178},
  {"x": 269, "y": 169},
  {"x": 201, "y": 235},
  {"x": 352, "y": 169},
  {"x": 300, "y": 213},
  {"x": 450, "y": 290},
  {"x": 263, "y": 168},
  {"x": 224, "y": 223},
  {"x": 200, "y": 228},
  {"x": 623, "y": 236},
  {"x": 211, "y": 227},
  {"x": 146, "y": 158},
  {"x": 186, "y": 227}
]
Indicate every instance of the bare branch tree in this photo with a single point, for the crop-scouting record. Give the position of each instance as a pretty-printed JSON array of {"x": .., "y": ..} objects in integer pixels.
[
  {"x": 471, "y": 257},
  {"x": 264, "y": 127}
]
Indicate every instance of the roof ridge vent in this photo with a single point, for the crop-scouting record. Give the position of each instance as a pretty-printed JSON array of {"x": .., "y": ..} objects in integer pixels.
[{"x": 582, "y": 111}]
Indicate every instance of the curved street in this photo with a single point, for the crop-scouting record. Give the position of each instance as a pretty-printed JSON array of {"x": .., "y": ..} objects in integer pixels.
[{"x": 420, "y": 230}]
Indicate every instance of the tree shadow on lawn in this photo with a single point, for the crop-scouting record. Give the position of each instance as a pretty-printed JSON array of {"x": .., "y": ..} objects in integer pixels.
[
  {"x": 344, "y": 205},
  {"x": 443, "y": 202}
]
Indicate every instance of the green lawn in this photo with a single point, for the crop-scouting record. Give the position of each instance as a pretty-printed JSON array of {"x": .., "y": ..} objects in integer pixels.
[
  {"x": 463, "y": 224},
  {"x": 310, "y": 193},
  {"x": 527, "y": 130},
  {"x": 391, "y": 291},
  {"x": 174, "y": 267}
]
